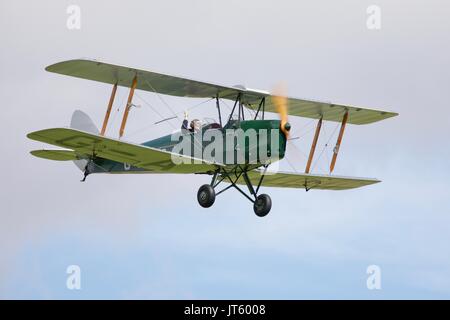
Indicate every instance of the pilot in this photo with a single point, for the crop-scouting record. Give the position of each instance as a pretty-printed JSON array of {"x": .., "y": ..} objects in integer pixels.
[
  {"x": 184, "y": 125},
  {"x": 194, "y": 126}
]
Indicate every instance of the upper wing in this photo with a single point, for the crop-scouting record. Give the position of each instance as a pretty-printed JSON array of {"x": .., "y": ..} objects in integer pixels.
[
  {"x": 151, "y": 159},
  {"x": 326, "y": 110},
  {"x": 147, "y": 80},
  {"x": 307, "y": 181},
  {"x": 182, "y": 87}
]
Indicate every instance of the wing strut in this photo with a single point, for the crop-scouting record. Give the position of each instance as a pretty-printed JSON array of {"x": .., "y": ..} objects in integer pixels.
[
  {"x": 108, "y": 110},
  {"x": 218, "y": 110},
  {"x": 128, "y": 106},
  {"x": 313, "y": 145},
  {"x": 338, "y": 142}
]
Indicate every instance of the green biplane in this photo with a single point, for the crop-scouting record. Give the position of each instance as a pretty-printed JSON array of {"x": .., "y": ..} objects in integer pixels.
[{"x": 93, "y": 152}]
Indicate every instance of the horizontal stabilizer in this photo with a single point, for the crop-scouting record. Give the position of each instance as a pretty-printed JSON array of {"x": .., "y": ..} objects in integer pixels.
[{"x": 58, "y": 155}]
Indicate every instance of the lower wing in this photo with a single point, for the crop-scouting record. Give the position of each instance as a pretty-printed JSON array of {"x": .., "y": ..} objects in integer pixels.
[{"x": 307, "y": 181}]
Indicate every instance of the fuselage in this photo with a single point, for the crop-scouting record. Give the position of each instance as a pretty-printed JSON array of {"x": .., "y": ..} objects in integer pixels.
[{"x": 250, "y": 143}]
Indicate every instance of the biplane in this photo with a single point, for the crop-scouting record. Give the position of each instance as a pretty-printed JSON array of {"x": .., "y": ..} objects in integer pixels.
[{"x": 94, "y": 152}]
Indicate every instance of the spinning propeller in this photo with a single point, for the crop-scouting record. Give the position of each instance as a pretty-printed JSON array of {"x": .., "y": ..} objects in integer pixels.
[{"x": 280, "y": 101}]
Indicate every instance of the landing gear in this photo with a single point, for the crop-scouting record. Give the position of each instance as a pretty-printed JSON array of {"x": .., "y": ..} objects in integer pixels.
[
  {"x": 262, "y": 205},
  {"x": 86, "y": 172},
  {"x": 88, "y": 169},
  {"x": 206, "y": 196}
]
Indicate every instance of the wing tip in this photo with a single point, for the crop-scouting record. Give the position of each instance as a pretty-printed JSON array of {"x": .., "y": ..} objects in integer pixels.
[
  {"x": 56, "y": 155},
  {"x": 54, "y": 66},
  {"x": 384, "y": 115},
  {"x": 35, "y": 135},
  {"x": 31, "y": 135}
]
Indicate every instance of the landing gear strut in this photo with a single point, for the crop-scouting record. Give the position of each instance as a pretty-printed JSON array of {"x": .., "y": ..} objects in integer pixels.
[{"x": 206, "y": 195}]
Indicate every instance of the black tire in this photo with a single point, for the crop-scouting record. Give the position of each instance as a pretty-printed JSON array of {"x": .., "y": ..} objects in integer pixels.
[
  {"x": 206, "y": 196},
  {"x": 262, "y": 205}
]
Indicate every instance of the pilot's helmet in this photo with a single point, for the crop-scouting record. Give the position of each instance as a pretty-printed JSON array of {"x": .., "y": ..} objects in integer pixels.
[{"x": 196, "y": 125}]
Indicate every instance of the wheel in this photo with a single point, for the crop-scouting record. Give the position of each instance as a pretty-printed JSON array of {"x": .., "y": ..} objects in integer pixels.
[
  {"x": 262, "y": 205},
  {"x": 206, "y": 196}
]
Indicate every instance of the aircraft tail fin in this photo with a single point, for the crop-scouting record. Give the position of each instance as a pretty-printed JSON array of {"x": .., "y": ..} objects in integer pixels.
[{"x": 81, "y": 121}]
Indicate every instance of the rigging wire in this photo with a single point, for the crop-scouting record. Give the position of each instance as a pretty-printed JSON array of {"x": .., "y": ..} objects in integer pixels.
[
  {"x": 290, "y": 164},
  {"x": 251, "y": 112},
  {"x": 117, "y": 111},
  {"x": 326, "y": 151},
  {"x": 163, "y": 119},
  {"x": 160, "y": 98},
  {"x": 325, "y": 146},
  {"x": 152, "y": 124},
  {"x": 197, "y": 105},
  {"x": 151, "y": 107},
  {"x": 226, "y": 104},
  {"x": 310, "y": 122}
]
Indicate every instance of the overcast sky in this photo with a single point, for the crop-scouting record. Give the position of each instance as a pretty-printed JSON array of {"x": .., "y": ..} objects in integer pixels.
[{"x": 145, "y": 236}]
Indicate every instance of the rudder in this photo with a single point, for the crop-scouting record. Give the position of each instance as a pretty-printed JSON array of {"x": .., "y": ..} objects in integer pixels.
[{"x": 81, "y": 121}]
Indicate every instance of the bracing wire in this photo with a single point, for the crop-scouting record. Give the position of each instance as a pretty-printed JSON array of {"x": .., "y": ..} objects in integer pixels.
[
  {"x": 116, "y": 112},
  {"x": 324, "y": 147},
  {"x": 290, "y": 164},
  {"x": 197, "y": 105},
  {"x": 152, "y": 124},
  {"x": 226, "y": 104},
  {"x": 160, "y": 98},
  {"x": 150, "y": 106},
  {"x": 163, "y": 119}
]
